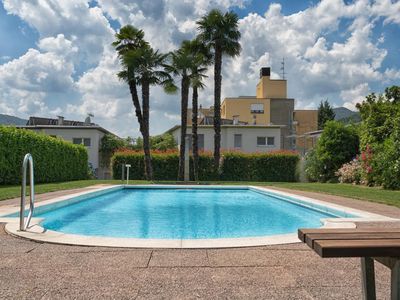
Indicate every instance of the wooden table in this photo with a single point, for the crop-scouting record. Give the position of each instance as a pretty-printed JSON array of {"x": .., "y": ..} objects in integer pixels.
[{"x": 380, "y": 244}]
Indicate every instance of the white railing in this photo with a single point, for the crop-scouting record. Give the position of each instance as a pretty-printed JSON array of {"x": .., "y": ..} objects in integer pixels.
[{"x": 23, "y": 225}]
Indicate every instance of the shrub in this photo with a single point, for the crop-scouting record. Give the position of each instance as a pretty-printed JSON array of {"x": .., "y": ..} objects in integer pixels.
[
  {"x": 386, "y": 164},
  {"x": 380, "y": 138},
  {"x": 350, "y": 172},
  {"x": 273, "y": 166},
  {"x": 109, "y": 143},
  {"x": 54, "y": 159},
  {"x": 280, "y": 166},
  {"x": 165, "y": 165},
  {"x": 337, "y": 145}
]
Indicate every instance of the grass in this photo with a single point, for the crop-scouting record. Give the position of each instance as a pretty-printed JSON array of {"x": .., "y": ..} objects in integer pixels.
[
  {"x": 372, "y": 194},
  {"x": 7, "y": 192}
]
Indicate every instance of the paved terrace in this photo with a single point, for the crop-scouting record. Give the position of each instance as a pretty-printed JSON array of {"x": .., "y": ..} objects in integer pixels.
[{"x": 46, "y": 271}]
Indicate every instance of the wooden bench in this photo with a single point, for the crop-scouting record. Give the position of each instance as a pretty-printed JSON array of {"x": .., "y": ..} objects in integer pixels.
[{"x": 380, "y": 244}]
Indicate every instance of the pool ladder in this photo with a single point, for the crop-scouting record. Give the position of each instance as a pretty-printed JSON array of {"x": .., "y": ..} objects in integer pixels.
[{"x": 23, "y": 225}]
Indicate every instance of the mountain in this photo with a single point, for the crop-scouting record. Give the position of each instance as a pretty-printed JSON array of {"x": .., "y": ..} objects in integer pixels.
[
  {"x": 346, "y": 115},
  {"x": 11, "y": 120}
]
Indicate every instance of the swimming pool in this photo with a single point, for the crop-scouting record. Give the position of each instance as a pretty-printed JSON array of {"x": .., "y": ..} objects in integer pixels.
[
  {"x": 183, "y": 213},
  {"x": 177, "y": 216}
]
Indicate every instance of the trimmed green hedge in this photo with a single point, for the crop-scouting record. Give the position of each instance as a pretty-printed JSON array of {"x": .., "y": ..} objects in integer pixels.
[
  {"x": 165, "y": 166},
  {"x": 279, "y": 166},
  {"x": 54, "y": 159}
]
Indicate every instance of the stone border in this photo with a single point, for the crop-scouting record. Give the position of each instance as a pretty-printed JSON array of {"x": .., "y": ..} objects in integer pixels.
[{"x": 37, "y": 233}]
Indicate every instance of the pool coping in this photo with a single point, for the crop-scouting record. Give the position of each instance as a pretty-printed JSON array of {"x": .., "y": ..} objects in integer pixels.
[{"x": 37, "y": 233}]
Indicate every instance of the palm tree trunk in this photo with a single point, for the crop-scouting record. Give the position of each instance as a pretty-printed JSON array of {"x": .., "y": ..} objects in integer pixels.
[
  {"x": 195, "y": 146},
  {"x": 217, "y": 106},
  {"x": 184, "y": 105},
  {"x": 136, "y": 104},
  {"x": 146, "y": 133}
]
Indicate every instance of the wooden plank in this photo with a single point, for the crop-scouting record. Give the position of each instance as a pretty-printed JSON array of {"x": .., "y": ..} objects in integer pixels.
[
  {"x": 358, "y": 248},
  {"x": 312, "y": 237},
  {"x": 303, "y": 232}
]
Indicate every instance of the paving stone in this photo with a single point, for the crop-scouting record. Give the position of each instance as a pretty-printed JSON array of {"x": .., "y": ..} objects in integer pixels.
[
  {"x": 89, "y": 260},
  {"x": 178, "y": 258},
  {"x": 46, "y": 271}
]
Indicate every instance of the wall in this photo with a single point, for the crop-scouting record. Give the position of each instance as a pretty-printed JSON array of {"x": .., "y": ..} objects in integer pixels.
[
  {"x": 271, "y": 88},
  {"x": 241, "y": 106},
  {"x": 249, "y": 137},
  {"x": 282, "y": 114},
  {"x": 68, "y": 134},
  {"x": 307, "y": 120}
]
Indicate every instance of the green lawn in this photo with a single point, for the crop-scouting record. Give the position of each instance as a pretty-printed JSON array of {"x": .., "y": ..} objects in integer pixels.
[{"x": 351, "y": 191}]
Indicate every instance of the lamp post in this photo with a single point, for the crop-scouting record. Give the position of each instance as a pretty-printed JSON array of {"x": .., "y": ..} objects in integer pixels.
[{"x": 127, "y": 173}]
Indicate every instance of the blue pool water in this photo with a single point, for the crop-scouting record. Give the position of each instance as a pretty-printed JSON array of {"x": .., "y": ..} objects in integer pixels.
[{"x": 181, "y": 214}]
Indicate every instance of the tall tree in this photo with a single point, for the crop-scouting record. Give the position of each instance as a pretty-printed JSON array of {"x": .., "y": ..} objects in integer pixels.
[
  {"x": 202, "y": 58},
  {"x": 325, "y": 114},
  {"x": 141, "y": 65},
  {"x": 221, "y": 33},
  {"x": 181, "y": 66}
]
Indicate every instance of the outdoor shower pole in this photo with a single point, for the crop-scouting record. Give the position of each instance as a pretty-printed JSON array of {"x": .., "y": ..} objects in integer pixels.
[{"x": 127, "y": 173}]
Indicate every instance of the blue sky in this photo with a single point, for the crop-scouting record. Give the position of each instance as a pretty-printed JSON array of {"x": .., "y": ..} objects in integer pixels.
[{"x": 56, "y": 58}]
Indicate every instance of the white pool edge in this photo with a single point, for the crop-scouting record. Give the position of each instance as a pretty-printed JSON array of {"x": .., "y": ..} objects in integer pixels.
[{"x": 37, "y": 233}]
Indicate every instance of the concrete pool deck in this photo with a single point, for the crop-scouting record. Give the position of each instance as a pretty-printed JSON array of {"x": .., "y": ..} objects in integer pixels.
[{"x": 47, "y": 271}]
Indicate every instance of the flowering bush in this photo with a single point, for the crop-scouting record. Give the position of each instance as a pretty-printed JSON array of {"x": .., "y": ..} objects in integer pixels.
[
  {"x": 350, "y": 172},
  {"x": 367, "y": 161}
]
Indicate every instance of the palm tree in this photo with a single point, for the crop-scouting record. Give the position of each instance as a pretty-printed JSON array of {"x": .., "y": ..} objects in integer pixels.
[
  {"x": 141, "y": 65},
  {"x": 220, "y": 32},
  {"x": 181, "y": 64},
  {"x": 202, "y": 58}
]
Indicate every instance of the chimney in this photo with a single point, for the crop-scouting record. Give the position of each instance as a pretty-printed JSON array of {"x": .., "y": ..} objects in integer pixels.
[
  {"x": 60, "y": 120},
  {"x": 88, "y": 121},
  {"x": 265, "y": 72}
]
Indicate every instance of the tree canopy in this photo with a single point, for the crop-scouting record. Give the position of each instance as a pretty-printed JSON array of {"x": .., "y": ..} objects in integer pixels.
[{"x": 325, "y": 114}]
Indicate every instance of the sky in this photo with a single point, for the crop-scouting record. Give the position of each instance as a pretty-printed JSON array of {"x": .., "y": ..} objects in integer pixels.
[{"x": 56, "y": 56}]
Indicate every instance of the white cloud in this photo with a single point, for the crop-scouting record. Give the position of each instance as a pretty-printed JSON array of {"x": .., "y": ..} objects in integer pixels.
[
  {"x": 322, "y": 59},
  {"x": 86, "y": 26},
  {"x": 356, "y": 95},
  {"x": 37, "y": 72}
]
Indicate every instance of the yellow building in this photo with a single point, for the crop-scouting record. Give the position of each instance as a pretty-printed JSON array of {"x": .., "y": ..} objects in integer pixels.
[{"x": 270, "y": 106}]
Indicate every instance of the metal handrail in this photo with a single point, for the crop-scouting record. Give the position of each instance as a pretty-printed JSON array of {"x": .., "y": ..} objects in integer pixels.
[{"x": 23, "y": 225}]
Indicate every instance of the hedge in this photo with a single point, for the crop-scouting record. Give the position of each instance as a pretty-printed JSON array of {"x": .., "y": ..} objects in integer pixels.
[
  {"x": 165, "y": 166},
  {"x": 275, "y": 166},
  {"x": 54, "y": 159}
]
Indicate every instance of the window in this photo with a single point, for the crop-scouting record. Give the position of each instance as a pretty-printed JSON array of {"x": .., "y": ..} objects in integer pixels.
[
  {"x": 82, "y": 141},
  {"x": 265, "y": 141},
  {"x": 86, "y": 142},
  {"x": 257, "y": 108},
  {"x": 237, "y": 143},
  {"x": 261, "y": 141},
  {"x": 200, "y": 141}
]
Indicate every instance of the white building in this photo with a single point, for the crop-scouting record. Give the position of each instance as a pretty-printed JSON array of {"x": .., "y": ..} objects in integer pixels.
[
  {"x": 245, "y": 138},
  {"x": 85, "y": 133}
]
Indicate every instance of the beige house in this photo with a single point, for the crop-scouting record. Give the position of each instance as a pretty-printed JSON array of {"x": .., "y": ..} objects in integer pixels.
[
  {"x": 76, "y": 132},
  {"x": 270, "y": 106},
  {"x": 244, "y": 138}
]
